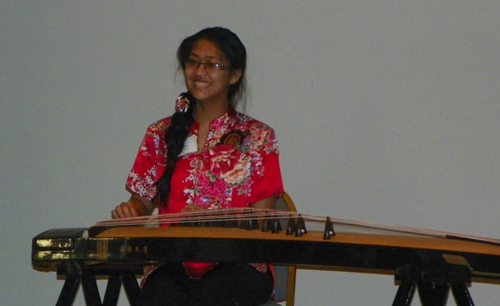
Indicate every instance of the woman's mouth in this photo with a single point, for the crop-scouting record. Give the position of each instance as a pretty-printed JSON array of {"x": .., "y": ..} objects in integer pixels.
[{"x": 201, "y": 84}]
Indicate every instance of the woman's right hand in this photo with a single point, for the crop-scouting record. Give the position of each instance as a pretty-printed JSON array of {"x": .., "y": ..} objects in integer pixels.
[{"x": 135, "y": 207}]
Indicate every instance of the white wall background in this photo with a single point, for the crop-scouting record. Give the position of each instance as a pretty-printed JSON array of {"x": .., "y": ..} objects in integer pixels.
[{"x": 386, "y": 111}]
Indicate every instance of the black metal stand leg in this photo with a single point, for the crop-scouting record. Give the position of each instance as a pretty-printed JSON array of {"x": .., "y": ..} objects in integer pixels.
[
  {"x": 404, "y": 296},
  {"x": 90, "y": 290},
  {"x": 71, "y": 284},
  {"x": 112, "y": 291},
  {"x": 461, "y": 295},
  {"x": 77, "y": 274},
  {"x": 433, "y": 294},
  {"x": 132, "y": 288},
  {"x": 433, "y": 282}
]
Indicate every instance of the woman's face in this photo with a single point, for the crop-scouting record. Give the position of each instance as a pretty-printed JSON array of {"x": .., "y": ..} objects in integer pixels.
[{"x": 207, "y": 73}]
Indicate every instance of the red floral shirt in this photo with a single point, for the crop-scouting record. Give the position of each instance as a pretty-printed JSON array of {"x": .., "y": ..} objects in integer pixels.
[{"x": 238, "y": 165}]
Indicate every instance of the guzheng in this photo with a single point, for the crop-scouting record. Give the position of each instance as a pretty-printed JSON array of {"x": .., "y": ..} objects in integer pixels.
[{"x": 414, "y": 256}]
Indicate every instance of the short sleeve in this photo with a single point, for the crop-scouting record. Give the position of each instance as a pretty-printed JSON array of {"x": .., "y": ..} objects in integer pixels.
[
  {"x": 266, "y": 178},
  {"x": 148, "y": 166}
]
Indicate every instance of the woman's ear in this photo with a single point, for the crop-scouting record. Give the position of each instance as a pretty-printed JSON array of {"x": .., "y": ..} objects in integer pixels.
[{"x": 235, "y": 76}]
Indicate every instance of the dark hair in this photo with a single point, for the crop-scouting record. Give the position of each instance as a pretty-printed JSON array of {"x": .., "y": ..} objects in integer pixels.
[
  {"x": 229, "y": 45},
  {"x": 234, "y": 51}
]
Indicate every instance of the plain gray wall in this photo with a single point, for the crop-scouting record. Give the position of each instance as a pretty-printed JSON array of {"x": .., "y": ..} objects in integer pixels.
[{"x": 385, "y": 111}]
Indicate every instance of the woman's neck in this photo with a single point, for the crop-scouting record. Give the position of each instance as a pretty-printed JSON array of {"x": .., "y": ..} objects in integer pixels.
[{"x": 206, "y": 113}]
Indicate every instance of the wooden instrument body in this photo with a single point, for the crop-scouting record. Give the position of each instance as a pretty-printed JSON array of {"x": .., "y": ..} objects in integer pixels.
[{"x": 358, "y": 252}]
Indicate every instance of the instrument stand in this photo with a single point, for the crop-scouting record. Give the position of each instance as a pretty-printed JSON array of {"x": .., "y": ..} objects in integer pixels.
[
  {"x": 76, "y": 273},
  {"x": 433, "y": 285}
]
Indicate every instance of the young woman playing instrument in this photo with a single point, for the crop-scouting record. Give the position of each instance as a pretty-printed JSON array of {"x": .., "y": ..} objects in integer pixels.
[{"x": 206, "y": 156}]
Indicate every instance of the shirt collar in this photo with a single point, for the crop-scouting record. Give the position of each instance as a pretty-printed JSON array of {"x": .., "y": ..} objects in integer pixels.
[{"x": 224, "y": 119}]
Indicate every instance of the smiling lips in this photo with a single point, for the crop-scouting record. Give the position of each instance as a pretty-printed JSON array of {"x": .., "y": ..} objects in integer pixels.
[{"x": 201, "y": 84}]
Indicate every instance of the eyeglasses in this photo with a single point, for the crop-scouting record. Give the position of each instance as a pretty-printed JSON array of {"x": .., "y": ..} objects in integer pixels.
[{"x": 194, "y": 64}]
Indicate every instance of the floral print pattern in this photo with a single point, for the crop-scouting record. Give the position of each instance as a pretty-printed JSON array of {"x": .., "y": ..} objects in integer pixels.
[{"x": 237, "y": 166}]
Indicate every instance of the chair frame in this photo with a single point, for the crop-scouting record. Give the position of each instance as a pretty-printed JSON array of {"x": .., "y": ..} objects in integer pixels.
[{"x": 285, "y": 203}]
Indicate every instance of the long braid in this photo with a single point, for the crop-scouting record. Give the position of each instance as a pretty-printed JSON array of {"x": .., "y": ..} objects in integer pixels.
[{"x": 175, "y": 136}]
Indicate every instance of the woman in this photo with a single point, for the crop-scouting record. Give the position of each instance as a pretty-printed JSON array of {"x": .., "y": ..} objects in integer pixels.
[{"x": 206, "y": 156}]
